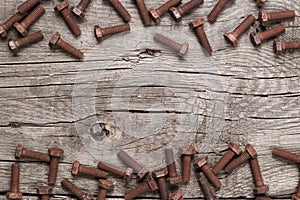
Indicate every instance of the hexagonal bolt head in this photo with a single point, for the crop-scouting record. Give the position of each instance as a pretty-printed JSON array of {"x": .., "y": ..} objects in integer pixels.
[
  {"x": 152, "y": 183},
  {"x": 261, "y": 190},
  {"x": 200, "y": 162},
  {"x": 61, "y": 6},
  {"x": 20, "y": 29},
  {"x": 3, "y": 32},
  {"x": 56, "y": 152},
  {"x": 260, "y": 3},
  {"x": 75, "y": 167},
  {"x": 277, "y": 46},
  {"x": 231, "y": 38},
  {"x": 175, "y": 14},
  {"x": 88, "y": 196},
  {"x": 19, "y": 150},
  {"x": 235, "y": 148},
  {"x": 155, "y": 15},
  {"x": 251, "y": 151},
  {"x": 14, "y": 47},
  {"x": 98, "y": 33},
  {"x": 177, "y": 195},
  {"x": 187, "y": 150},
  {"x": 54, "y": 39},
  {"x": 160, "y": 173},
  {"x": 183, "y": 50},
  {"x": 255, "y": 39},
  {"x": 14, "y": 195},
  {"x": 263, "y": 17},
  {"x": 44, "y": 190},
  {"x": 106, "y": 184},
  {"x": 196, "y": 23},
  {"x": 128, "y": 174},
  {"x": 76, "y": 11},
  {"x": 143, "y": 171}
]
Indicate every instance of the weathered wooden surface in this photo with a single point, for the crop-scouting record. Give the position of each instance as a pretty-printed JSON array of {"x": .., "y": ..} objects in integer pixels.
[{"x": 44, "y": 97}]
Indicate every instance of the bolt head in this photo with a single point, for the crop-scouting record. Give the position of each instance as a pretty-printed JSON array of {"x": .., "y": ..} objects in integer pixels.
[
  {"x": 187, "y": 150},
  {"x": 14, "y": 195},
  {"x": 263, "y": 17},
  {"x": 142, "y": 173},
  {"x": 54, "y": 39},
  {"x": 177, "y": 195},
  {"x": 252, "y": 152},
  {"x": 155, "y": 15},
  {"x": 255, "y": 39},
  {"x": 160, "y": 173},
  {"x": 231, "y": 38},
  {"x": 88, "y": 196},
  {"x": 200, "y": 162},
  {"x": 277, "y": 46},
  {"x": 152, "y": 183},
  {"x": 20, "y": 29},
  {"x": 175, "y": 14},
  {"x": 61, "y": 6},
  {"x": 196, "y": 23},
  {"x": 19, "y": 150},
  {"x": 260, "y": 3},
  {"x": 98, "y": 33},
  {"x": 13, "y": 46},
  {"x": 128, "y": 174},
  {"x": 295, "y": 197},
  {"x": 56, "y": 152},
  {"x": 3, "y": 32},
  {"x": 235, "y": 148},
  {"x": 76, "y": 11},
  {"x": 261, "y": 190},
  {"x": 174, "y": 180},
  {"x": 106, "y": 184},
  {"x": 183, "y": 50},
  {"x": 44, "y": 190},
  {"x": 75, "y": 167}
]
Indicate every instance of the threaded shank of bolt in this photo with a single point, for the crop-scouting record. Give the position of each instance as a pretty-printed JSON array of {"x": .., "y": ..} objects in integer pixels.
[
  {"x": 186, "y": 168},
  {"x": 102, "y": 194},
  {"x": 73, "y": 188},
  {"x": 53, "y": 169},
  {"x": 211, "y": 176},
  {"x": 92, "y": 172},
  {"x": 27, "y": 5},
  {"x": 15, "y": 178},
  {"x": 44, "y": 197},
  {"x": 171, "y": 162},
  {"x": 129, "y": 161},
  {"x": 276, "y": 16},
  {"x": 33, "y": 16},
  {"x": 33, "y": 154},
  {"x": 15, "y": 18},
  {"x": 256, "y": 172},
  {"x": 120, "y": 9},
  {"x": 143, "y": 12},
  {"x": 72, "y": 24},
  {"x": 237, "y": 162},
  {"x": 116, "y": 29},
  {"x": 286, "y": 155},
  {"x": 69, "y": 49},
  {"x": 163, "y": 189},
  {"x": 140, "y": 189},
  {"x": 167, "y": 41},
  {"x": 189, "y": 6},
  {"x": 203, "y": 39},
  {"x": 272, "y": 32},
  {"x": 244, "y": 25},
  {"x": 291, "y": 45},
  {"x": 213, "y": 15},
  {"x": 111, "y": 169},
  {"x": 165, "y": 7},
  {"x": 223, "y": 161},
  {"x": 83, "y": 4},
  {"x": 298, "y": 189},
  {"x": 205, "y": 186},
  {"x": 30, "y": 39}
]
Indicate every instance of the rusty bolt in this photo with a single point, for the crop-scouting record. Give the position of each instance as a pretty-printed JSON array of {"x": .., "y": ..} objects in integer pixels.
[
  {"x": 149, "y": 184},
  {"x": 128, "y": 160},
  {"x": 56, "y": 41},
  {"x": 14, "y": 185},
  {"x": 80, "y": 8},
  {"x": 77, "y": 168},
  {"x": 14, "y": 45},
  {"x": 280, "y": 46},
  {"x": 233, "y": 150},
  {"x": 142, "y": 8},
  {"x": 173, "y": 178},
  {"x": 55, "y": 154},
  {"x": 156, "y": 14},
  {"x": 4, "y": 27},
  {"x": 260, "y": 3},
  {"x": 286, "y": 155},
  {"x": 213, "y": 15},
  {"x": 260, "y": 187},
  {"x": 104, "y": 185},
  {"x": 197, "y": 26},
  {"x": 202, "y": 164},
  {"x": 27, "y": 5},
  {"x": 76, "y": 191},
  {"x": 187, "y": 154},
  {"x": 179, "y": 12},
  {"x": 62, "y": 8},
  {"x": 22, "y": 152},
  {"x": 100, "y": 33},
  {"x": 181, "y": 49},
  {"x": 44, "y": 192},
  {"x": 249, "y": 153},
  {"x": 124, "y": 173},
  {"x": 206, "y": 189},
  {"x": 160, "y": 175},
  {"x": 232, "y": 37},
  {"x": 30, "y": 19},
  {"x": 258, "y": 38},
  {"x": 121, "y": 10},
  {"x": 265, "y": 17},
  {"x": 176, "y": 195},
  {"x": 297, "y": 195}
]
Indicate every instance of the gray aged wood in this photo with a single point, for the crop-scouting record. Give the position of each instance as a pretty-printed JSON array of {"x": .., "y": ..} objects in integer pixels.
[{"x": 241, "y": 94}]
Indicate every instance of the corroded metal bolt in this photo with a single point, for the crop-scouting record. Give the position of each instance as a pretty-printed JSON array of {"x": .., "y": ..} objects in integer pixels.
[
  {"x": 258, "y": 38},
  {"x": 77, "y": 168},
  {"x": 202, "y": 164},
  {"x": 14, "y": 45},
  {"x": 233, "y": 150},
  {"x": 244, "y": 157},
  {"x": 55, "y": 154},
  {"x": 22, "y": 152},
  {"x": 27, "y": 5},
  {"x": 76, "y": 191},
  {"x": 128, "y": 160},
  {"x": 105, "y": 185},
  {"x": 160, "y": 175},
  {"x": 187, "y": 154},
  {"x": 280, "y": 46},
  {"x": 297, "y": 195},
  {"x": 142, "y": 8},
  {"x": 213, "y": 15},
  {"x": 62, "y": 8},
  {"x": 205, "y": 187},
  {"x": 265, "y": 17},
  {"x": 117, "y": 5},
  {"x": 149, "y": 185},
  {"x": 4, "y": 27},
  {"x": 30, "y": 19},
  {"x": 232, "y": 37},
  {"x": 260, "y": 3},
  {"x": 181, "y": 49},
  {"x": 286, "y": 155},
  {"x": 157, "y": 13},
  {"x": 126, "y": 174},
  {"x": 179, "y": 12},
  {"x": 80, "y": 8},
  {"x": 197, "y": 26},
  {"x": 44, "y": 192},
  {"x": 56, "y": 41},
  {"x": 100, "y": 33},
  {"x": 14, "y": 185},
  {"x": 174, "y": 177},
  {"x": 260, "y": 187},
  {"x": 176, "y": 195}
]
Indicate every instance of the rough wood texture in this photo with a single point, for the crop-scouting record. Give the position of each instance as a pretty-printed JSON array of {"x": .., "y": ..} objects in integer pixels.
[{"x": 242, "y": 94}]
